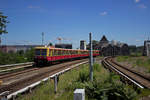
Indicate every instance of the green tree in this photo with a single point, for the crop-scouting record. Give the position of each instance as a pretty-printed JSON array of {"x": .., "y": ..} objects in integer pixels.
[
  {"x": 94, "y": 44},
  {"x": 50, "y": 44},
  {"x": 3, "y": 22},
  {"x": 30, "y": 54}
]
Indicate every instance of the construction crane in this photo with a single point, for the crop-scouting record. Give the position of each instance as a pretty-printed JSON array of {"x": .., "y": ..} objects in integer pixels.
[{"x": 60, "y": 39}]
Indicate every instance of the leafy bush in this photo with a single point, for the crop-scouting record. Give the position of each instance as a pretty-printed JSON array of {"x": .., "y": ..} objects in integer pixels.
[
  {"x": 96, "y": 67},
  {"x": 83, "y": 76},
  {"x": 18, "y": 57},
  {"x": 110, "y": 88}
]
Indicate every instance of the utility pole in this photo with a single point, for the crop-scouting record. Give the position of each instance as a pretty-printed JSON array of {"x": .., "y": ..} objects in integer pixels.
[
  {"x": 0, "y": 41},
  {"x": 42, "y": 38},
  {"x": 91, "y": 58}
]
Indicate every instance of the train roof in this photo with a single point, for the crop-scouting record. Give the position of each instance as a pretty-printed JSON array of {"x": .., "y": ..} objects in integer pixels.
[{"x": 45, "y": 47}]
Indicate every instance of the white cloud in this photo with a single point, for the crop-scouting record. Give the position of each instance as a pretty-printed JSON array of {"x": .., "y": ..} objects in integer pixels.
[
  {"x": 103, "y": 13},
  {"x": 136, "y": 1},
  {"x": 142, "y": 6}
]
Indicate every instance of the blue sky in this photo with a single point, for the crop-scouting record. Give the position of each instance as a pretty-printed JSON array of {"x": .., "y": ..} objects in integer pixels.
[{"x": 122, "y": 20}]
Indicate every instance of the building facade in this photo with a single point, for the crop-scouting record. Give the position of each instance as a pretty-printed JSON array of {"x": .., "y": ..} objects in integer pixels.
[
  {"x": 83, "y": 44},
  {"x": 146, "y": 50},
  {"x": 16, "y": 48},
  {"x": 112, "y": 48},
  {"x": 65, "y": 46}
]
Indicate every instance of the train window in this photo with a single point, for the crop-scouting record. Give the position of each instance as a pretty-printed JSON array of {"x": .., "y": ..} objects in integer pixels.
[
  {"x": 56, "y": 52},
  {"x": 50, "y": 52},
  {"x": 37, "y": 52},
  {"x": 59, "y": 52},
  {"x": 69, "y": 52},
  {"x": 75, "y": 52},
  {"x": 43, "y": 53},
  {"x": 53, "y": 52},
  {"x": 63, "y": 52}
]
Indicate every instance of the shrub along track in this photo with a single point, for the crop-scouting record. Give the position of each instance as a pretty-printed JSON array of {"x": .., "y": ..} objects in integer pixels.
[
  {"x": 21, "y": 80},
  {"x": 131, "y": 75}
]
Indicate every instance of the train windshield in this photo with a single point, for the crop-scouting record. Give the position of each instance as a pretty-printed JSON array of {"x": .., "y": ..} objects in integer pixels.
[
  {"x": 43, "y": 53},
  {"x": 37, "y": 52}
]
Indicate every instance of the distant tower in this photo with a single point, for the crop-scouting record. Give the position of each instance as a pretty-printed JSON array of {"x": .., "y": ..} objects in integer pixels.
[
  {"x": 146, "y": 51},
  {"x": 83, "y": 45}
]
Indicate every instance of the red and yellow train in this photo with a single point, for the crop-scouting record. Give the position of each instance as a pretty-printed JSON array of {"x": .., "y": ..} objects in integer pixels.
[{"x": 43, "y": 55}]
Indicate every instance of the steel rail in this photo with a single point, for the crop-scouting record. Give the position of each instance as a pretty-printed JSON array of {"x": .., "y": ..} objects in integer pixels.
[
  {"x": 19, "y": 64},
  {"x": 15, "y": 67},
  {"x": 124, "y": 75},
  {"x": 9, "y": 96},
  {"x": 133, "y": 71}
]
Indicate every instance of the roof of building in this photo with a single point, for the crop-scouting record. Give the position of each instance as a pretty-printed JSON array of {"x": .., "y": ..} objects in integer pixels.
[
  {"x": 19, "y": 45},
  {"x": 104, "y": 39}
]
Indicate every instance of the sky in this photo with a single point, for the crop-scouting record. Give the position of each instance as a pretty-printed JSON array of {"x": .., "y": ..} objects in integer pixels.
[{"x": 127, "y": 21}]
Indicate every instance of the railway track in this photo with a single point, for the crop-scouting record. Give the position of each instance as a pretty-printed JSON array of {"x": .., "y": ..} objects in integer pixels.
[
  {"x": 132, "y": 76},
  {"x": 16, "y": 81},
  {"x": 5, "y": 69},
  {"x": 8, "y": 75}
]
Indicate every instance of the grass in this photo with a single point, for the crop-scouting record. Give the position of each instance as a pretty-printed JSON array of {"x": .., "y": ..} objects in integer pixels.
[
  {"x": 65, "y": 85},
  {"x": 122, "y": 58},
  {"x": 105, "y": 86},
  {"x": 139, "y": 61}
]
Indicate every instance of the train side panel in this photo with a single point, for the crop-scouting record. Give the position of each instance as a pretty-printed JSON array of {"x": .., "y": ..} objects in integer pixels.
[{"x": 45, "y": 54}]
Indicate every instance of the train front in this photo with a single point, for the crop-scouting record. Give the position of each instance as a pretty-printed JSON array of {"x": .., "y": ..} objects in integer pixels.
[{"x": 40, "y": 57}]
